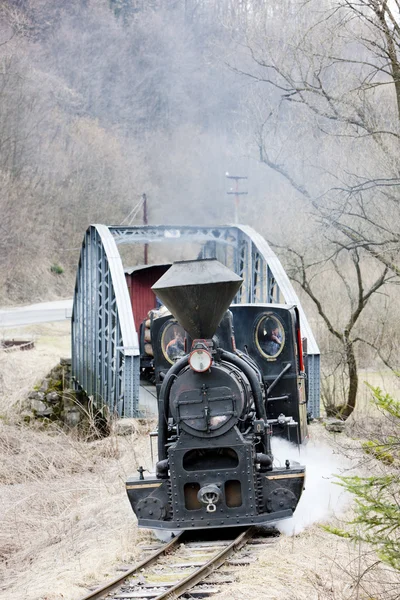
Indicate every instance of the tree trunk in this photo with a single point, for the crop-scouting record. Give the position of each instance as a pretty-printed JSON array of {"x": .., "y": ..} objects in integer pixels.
[
  {"x": 392, "y": 53},
  {"x": 353, "y": 376}
]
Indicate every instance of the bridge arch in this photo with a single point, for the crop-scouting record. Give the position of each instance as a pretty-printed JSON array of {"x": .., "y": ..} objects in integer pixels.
[{"x": 105, "y": 346}]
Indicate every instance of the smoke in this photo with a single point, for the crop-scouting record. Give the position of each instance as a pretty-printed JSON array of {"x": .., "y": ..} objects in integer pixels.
[{"x": 322, "y": 498}]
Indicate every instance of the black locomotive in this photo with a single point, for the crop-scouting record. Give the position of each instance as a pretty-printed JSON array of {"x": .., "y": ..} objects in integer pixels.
[{"x": 219, "y": 406}]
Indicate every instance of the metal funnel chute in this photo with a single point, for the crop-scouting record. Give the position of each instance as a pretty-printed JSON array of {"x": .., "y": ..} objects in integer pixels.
[{"x": 198, "y": 292}]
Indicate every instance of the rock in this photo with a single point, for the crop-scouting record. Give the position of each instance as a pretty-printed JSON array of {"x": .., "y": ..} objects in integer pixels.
[
  {"x": 46, "y": 413},
  {"x": 45, "y": 386},
  {"x": 38, "y": 406},
  {"x": 41, "y": 409},
  {"x": 72, "y": 417},
  {"x": 55, "y": 373},
  {"x": 36, "y": 396},
  {"x": 65, "y": 362},
  {"x": 125, "y": 426},
  {"x": 53, "y": 397},
  {"x": 336, "y": 426}
]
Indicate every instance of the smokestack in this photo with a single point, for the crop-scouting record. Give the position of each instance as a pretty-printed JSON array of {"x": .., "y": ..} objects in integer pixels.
[{"x": 198, "y": 292}]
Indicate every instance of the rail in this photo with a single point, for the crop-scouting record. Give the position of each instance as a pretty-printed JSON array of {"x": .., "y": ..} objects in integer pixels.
[{"x": 173, "y": 590}]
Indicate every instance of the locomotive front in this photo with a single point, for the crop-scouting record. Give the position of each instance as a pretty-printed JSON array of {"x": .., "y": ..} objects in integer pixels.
[{"x": 215, "y": 465}]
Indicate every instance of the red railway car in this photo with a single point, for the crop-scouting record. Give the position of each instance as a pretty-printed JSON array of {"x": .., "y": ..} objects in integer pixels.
[{"x": 139, "y": 280}]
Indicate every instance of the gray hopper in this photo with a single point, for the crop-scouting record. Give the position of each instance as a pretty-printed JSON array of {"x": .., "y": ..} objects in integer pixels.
[{"x": 198, "y": 292}]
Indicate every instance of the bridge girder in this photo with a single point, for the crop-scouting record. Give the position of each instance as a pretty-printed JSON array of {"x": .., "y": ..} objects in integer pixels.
[{"x": 105, "y": 346}]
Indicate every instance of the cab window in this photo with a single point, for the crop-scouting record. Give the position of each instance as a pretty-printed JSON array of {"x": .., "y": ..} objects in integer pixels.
[{"x": 269, "y": 336}]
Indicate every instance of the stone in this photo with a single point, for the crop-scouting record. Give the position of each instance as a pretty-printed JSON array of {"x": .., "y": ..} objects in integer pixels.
[
  {"x": 70, "y": 400},
  {"x": 36, "y": 396},
  {"x": 53, "y": 397},
  {"x": 72, "y": 417},
  {"x": 38, "y": 406},
  {"x": 45, "y": 386},
  {"x": 41, "y": 409},
  {"x": 125, "y": 426},
  {"x": 46, "y": 413},
  {"x": 336, "y": 426},
  {"x": 56, "y": 373}
]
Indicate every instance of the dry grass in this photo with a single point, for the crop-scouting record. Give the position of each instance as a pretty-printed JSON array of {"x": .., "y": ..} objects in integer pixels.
[
  {"x": 68, "y": 519},
  {"x": 64, "y": 516},
  {"x": 20, "y": 371},
  {"x": 66, "y": 524},
  {"x": 312, "y": 566}
]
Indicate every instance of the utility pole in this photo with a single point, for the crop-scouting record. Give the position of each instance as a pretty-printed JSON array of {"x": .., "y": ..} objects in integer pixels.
[
  {"x": 235, "y": 192},
  {"x": 146, "y": 246}
]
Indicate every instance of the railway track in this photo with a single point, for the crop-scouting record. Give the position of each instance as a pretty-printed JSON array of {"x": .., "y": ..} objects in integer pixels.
[{"x": 185, "y": 563}]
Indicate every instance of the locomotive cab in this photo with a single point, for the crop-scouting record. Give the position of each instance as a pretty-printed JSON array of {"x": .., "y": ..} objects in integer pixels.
[
  {"x": 215, "y": 466},
  {"x": 270, "y": 335}
]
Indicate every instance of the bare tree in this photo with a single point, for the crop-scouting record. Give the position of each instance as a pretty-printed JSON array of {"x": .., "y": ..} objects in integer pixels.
[
  {"x": 358, "y": 291},
  {"x": 329, "y": 121}
]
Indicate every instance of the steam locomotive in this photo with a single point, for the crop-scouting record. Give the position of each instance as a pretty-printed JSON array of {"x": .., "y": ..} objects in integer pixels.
[{"x": 228, "y": 377}]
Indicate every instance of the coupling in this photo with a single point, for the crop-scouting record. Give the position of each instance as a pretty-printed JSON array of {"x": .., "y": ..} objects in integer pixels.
[{"x": 209, "y": 495}]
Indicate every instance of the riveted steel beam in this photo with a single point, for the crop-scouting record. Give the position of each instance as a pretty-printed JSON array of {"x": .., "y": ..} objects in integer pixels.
[
  {"x": 104, "y": 339},
  {"x": 106, "y": 361}
]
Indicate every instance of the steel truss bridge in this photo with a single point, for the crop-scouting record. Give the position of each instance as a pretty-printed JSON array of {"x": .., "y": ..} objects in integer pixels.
[{"x": 105, "y": 345}]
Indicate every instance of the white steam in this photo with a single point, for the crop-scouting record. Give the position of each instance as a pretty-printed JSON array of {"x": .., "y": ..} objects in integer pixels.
[{"x": 321, "y": 498}]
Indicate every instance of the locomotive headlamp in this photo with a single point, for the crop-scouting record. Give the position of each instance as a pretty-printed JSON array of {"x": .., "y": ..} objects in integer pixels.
[{"x": 200, "y": 360}]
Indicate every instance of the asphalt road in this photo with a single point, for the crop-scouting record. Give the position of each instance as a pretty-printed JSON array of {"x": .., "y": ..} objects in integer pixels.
[{"x": 45, "y": 312}]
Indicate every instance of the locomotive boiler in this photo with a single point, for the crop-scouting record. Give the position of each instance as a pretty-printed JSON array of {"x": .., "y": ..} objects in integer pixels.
[{"x": 216, "y": 409}]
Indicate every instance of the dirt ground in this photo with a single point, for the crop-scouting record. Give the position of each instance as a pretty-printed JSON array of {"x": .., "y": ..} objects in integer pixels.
[{"x": 66, "y": 524}]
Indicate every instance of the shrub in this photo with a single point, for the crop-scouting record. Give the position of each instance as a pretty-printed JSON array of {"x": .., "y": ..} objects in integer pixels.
[
  {"x": 377, "y": 497},
  {"x": 57, "y": 269}
]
